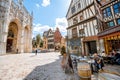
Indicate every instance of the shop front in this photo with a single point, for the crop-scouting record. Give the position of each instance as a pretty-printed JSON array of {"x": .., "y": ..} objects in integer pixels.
[
  {"x": 112, "y": 42},
  {"x": 90, "y": 45}
]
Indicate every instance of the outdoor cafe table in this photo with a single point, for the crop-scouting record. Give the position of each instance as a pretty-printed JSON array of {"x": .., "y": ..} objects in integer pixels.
[{"x": 90, "y": 62}]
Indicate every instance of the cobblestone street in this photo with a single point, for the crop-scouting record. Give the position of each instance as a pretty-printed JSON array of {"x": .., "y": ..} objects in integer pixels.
[{"x": 44, "y": 66}]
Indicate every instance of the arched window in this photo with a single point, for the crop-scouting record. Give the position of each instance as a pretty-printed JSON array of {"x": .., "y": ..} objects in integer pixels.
[{"x": 11, "y": 34}]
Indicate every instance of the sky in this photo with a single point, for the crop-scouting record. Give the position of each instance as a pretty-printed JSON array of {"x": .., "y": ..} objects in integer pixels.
[{"x": 48, "y": 14}]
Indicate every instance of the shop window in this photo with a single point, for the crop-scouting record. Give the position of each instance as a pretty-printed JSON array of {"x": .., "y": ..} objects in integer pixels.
[
  {"x": 107, "y": 12},
  {"x": 111, "y": 24},
  {"x": 118, "y": 21},
  {"x": 116, "y": 8}
]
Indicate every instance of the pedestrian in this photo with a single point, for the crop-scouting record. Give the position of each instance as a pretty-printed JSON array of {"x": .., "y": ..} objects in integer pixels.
[
  {"x": 36, "y": 52},
  {"x": 17, "y": 51},
  {"x": 98, "y": 62}
]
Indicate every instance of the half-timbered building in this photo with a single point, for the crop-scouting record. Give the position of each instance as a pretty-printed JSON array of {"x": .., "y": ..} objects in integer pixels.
[
  {"x": 109, "y": 32},
  {"x": 82, "y": 27}
]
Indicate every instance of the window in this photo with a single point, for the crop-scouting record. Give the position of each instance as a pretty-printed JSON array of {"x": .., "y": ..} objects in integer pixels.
[
  {"x": 107, "y": 12},
  {"x": 79, "y": 6},
  {"x": 51, "y": 40},
  {"x": 116, "y": 7},
  {"x": 81, "y": 17},
  {"x": 75, "y": 20},
  {"x": 110, "y": 24},
  {"x": 11, "y": 34},
  {"x": 74, "y": 32},
  {"x": 81, "y": 32},
  {"x": 73, "y": 9},
  {"x": 118, "y": 21}
]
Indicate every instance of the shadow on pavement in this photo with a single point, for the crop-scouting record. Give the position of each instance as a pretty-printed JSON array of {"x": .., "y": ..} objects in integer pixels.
[{"x": 51, "y": 71}]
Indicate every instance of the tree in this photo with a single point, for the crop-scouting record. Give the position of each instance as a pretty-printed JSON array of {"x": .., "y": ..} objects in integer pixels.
[
  {"x": 38, "y": 40},
  {"x": 41, "y": 43},
  {"x": 34, "y": 43}
]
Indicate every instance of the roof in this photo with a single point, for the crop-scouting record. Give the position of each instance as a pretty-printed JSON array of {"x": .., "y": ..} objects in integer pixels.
[{"x": 45, "y": 34}]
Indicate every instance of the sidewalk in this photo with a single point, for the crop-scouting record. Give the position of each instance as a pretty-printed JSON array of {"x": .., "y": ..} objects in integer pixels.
[{"x": 113, "y": 69}]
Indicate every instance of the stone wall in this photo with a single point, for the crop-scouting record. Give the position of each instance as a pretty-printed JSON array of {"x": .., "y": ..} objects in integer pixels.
[{"x": 15, "y": 12}]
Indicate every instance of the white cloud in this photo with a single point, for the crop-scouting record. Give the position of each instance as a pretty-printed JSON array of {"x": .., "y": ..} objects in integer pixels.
[
  {"x": 38, "y": 5},
  {"x": 45, "y": 3},
  {"x": 61, "y": 23},
  {"x": 39, "y": 29}
]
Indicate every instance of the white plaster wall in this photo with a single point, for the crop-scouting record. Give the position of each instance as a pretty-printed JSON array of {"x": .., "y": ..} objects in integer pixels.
[
  {"x": 88, "y": 29},
  {"x": 92, "y": 29}
]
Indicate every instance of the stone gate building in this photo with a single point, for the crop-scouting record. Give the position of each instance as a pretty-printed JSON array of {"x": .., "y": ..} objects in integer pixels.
[{"x": 15, "y": 27}]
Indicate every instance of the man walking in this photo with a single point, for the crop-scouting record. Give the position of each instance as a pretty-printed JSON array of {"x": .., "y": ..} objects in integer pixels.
[{"x": 36, "y": 52}]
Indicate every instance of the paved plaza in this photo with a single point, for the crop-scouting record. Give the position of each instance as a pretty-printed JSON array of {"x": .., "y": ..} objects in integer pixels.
[{"x": 44, "y": 66}]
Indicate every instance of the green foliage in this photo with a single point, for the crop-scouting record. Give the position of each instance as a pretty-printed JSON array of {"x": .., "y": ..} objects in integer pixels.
[
  {"x": 34, "y": 44},
  {"x": 37, "y": 41},
  {"x": 63, "y": 50},
  {"x": 41, "y": 44}
]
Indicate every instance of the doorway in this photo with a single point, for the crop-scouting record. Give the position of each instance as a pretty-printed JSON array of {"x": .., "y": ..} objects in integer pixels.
[
  {"x": 9, "y": 45},
  {"x": 92, "y": 48}
]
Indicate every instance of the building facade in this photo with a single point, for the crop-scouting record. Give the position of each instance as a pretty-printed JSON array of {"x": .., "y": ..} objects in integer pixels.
[
  {"x": 45, "y": 40},
  {"x": 57, "y": 39},
  {"x": 53, "y": 40},
  {"x": 15, "y": 27},
  {"x": 109, "y": 32},
  {"x": 63, "y": 42},
  {"x": 82, "y": 27},
  {"x": 50, "y": 39}
]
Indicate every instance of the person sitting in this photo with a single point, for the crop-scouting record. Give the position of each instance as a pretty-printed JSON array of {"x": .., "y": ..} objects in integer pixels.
[
  {"x": 103, "y": 54},
  {"x": 98, "y": 62},
  {"x": 116, "y": 58}
]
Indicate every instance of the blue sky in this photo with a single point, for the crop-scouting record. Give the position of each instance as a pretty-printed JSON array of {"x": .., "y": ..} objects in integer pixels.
[{"x": 48, "y": 14}]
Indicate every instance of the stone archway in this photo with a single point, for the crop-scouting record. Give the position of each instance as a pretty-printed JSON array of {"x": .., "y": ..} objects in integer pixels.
[
  {"x": 11, "y": 44},
  {"x": 26, "y": 39}
]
